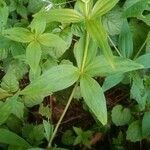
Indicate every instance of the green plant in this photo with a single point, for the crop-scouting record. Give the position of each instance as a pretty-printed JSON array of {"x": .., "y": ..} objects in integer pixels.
[{"x": 38, "y": 49}]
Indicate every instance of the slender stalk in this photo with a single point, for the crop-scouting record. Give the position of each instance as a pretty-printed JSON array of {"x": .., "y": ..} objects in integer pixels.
[
  {"x": 62, "y": 116},
  {"x": 85, "y": 52},
  {"x": 117, "y": 50},
  {"x": 141, "y": 48}
]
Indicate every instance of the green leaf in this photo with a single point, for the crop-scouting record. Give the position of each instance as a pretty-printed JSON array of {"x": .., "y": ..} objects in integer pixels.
[
  {"x": 4, "y": 12},
  {"x": 68, "y": 137},
  {"x": 102, "y": 7},
  {"x": 5, "y": 111},
  {"x": 33, "y": 133},
  {"x": 138, "y": 91},
  {"x": 111, "y": 81},
  {"x": 48, "y": 128},
  {"x": 45, "y": 111},
  {"x": 126, "y": 41},
  {"x": 145, "y": 19},
  {"x": 84, "y": 7},
  {"x": 9, "y": 81},
  {"x": 139, "y": 33},
  {"x": 62, "y": 15},
  {"x": 134, "y": 132},
  {"x": 33, "y": 55},
  {"x": 146, "y": 124},
  {"x": 38, "y": 25},
  {"x": 144, "y": 60},
  {"x": 18, "y": 108},
  {"x": 67, "y": 35},
  {"x": 113, "y": 21},
  {"x": 137, "y": 9},
  {"x": 83, "y": 137},
  {"x": 129, "y": 3},
  {"x": 120, "y": 116},
  {"x": 22, "y": 11},
  {"x": 52, "y": 40},
  {"x": 97, "y": 32},
  {"x": 3, "y": 54},
  {"x": 101, "y": 67},
  {"x": 54, "y": 79},
  {"x": 94, "y": 98},
  {"x": 19, "y": 34},
  {"x": 31, "y": 100},
  {"x": 10, "y": 138},
  {"x": 4, "y": 94},
  {"x": 36, "y": 149},
  {"x": 148, "y": 43},
  {"x": 80, "y": 48},
  {"x": 35, "y": 6}
]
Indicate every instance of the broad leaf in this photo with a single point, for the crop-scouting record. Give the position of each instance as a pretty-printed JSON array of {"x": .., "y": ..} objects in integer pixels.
[
  {"x": 55, "y": 79},
  {"x": 145, "y": 19},
  {"x": 144, "y": 60},
  {"x": 33, "y": 55},
  {"x": 102, "y": 7},
  {"x": 32, "y": 99},
  {"x": 111, "y": 81},
  {"x": 148, "y": 43},
  {"x": 17, "y": 108},
  {"x": 9, "y": 81},
  {"x": 3, "y": 54},
  {"x": 38, "y": 25},
  {"x": 62, "y": 15},
  {"x": 126, "y": 41},
  {"x": 97, "y": 32},
  {"x": 101, "y": 67},
  {"x": 94, "y": 98},
  {"x": 5, "y": 111},
  {"x": 52, "y": 40},
  {"x": 137, "y": 9},
  {"x": 48, "y": 128},
  {"x": 10, "y": 138},
  {"x": 120, "y": 116},
  {"x": 146, "y": 124},
  {"x": 134, "y": 132},
  {"x": 138, "y": 91},
  {"x": 113, "y": 21},
  {"x": 4, "y": 12},
  {"x": 4, "y": 94},
  {"x": 19, "y": 34},
  {"x": 33, "y": 133},
  {"x": 129, "y": 3}
]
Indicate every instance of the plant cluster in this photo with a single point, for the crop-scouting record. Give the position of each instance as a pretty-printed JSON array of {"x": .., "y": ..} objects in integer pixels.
[{"x": 51, "y": 45}]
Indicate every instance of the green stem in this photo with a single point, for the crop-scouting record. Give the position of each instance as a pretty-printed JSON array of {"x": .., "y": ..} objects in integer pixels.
[
  {"x": 85, "y": 52},
  {"x": 141, "y": 48},
  {"x": 117, "y": 50},
  {"x": 62, "y": 116}
]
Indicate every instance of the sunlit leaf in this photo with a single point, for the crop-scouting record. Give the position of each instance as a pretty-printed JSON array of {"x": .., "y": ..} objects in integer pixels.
[
  {"x": 10, "y": 138},
  {"x": 33, "y": 55},
  {"x": 98, "y": 33},
  {"x": 101, "y": 67},
  {"x": 19, "y": 34},
  {"x": 62, "y": 15},
  {"x": 102, "y": 7},
  {"x": 94, "y": 98},
  {"x": 54, "y": 79}
]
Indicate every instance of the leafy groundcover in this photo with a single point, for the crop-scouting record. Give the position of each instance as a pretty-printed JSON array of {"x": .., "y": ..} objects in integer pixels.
[{"x": 74, "y": 74}]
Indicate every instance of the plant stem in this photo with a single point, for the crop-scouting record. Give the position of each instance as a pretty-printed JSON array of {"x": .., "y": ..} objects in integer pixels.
[
  {"x": 139, "y": 51},
  {"x": 62, "y": 116},
  {"x": 117, "y": 50},
  {"x": 85, "y": 52}
]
